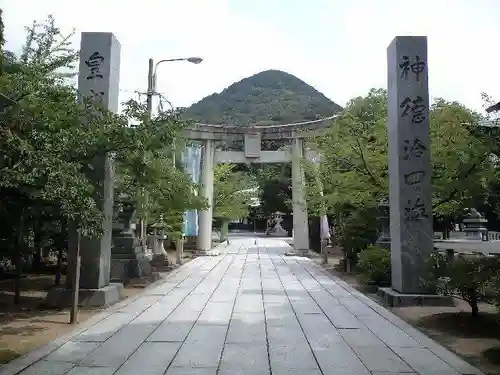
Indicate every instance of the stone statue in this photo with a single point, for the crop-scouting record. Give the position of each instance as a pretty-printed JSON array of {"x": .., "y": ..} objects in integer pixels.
[
  {"x": 473, "y": 213},
  {"x": 278, "y": 230}
]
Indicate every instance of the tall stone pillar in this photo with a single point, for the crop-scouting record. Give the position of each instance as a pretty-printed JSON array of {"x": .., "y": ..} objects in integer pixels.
[
  {"x": 98, "y": 81},
  {"x": 204, "y": 240},
  {"x": 299, "y": 205},
  {"x": 410, "y": 195}
]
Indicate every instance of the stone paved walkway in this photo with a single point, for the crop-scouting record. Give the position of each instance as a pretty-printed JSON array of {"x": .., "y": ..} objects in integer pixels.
[{"x": 250, "y": 311}]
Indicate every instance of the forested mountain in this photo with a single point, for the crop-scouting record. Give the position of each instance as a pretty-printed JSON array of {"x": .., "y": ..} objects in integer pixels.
[{"x": 269, "y": 97}]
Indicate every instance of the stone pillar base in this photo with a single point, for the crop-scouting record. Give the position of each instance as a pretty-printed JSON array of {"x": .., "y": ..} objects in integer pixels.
[
  {"x": 129, "y": 259},
  {"x": 102, "y": 297},
  {"x": 393, "y": 298}
]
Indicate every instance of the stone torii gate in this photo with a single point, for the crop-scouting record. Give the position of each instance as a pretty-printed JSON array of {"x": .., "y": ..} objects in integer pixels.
[{"x": 252, "y": 136}]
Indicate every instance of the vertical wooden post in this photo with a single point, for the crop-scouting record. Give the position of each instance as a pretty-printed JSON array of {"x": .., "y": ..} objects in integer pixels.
[
  {"x": 75, "y": 284},
  {"x": 324, "y": 252},
  {"x": 179, "y": 250}
]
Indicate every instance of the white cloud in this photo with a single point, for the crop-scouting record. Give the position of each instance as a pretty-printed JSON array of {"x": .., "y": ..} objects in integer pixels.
[{"x": 341, "y": 50}]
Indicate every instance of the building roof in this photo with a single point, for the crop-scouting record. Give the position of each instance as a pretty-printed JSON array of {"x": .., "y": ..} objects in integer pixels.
[{"x": 493, "y": 108}]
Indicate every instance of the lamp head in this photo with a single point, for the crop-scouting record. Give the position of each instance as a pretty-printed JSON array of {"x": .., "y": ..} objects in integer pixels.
[{"x": 194, "y": 60}]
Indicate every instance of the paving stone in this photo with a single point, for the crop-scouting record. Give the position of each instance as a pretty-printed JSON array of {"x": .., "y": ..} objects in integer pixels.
[
  {"x": 217, "y": 313},
  {"x": 182, "y": 315},
  {"x": 275, "y": 298},
  {"x": 224, "y": 295},
  {"x": 105, "y": 328},
  {"x": 244, "y": 359},
  {"x": 151, "y": 358},
  {"x": 357, "y": 307},
  {"x": 72, "y": 351},
  {"x": 279, "y": 314},
  {"x": 424, "y": 362},
  {"x": 154, "y": 314},
  {"x": 191, "y": 371},
  {"x": 47, "y": 368},
  {"x": 300, "y": 371},
  {"x": 381, "y": 358},
  {"x": 91, "y": 371},
  {"x": 119, "y": 347},
  {"x": 139, "y": 305},
  {"x": 171, "y": 331},
  {"x": 310, "y": 284},
  {"x": 249, "y": 303},
  {"x": 326, "y": 298},
  {"x": 312, "y": 321},
  {"x": 247, "y": 328},
  {"x": 306, "y": 306},
  {"x": 198, "y": 354},
  {"x": 283, "y": 335},
  {"x": 360, "y": 337},
  {"x": 340, "y": 359},
  {"x": 207, "y": 333},
  {"x": 294, "y": 355},
  {"x": 319, "y": 331},
  {"x": 337, "y": 291},
  {"x": 341, "y": 317},
  {"x": 390, "y": 334}
]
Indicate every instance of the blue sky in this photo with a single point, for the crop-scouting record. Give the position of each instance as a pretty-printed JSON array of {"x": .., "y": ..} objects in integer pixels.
[{"x": 339, "y": 47}]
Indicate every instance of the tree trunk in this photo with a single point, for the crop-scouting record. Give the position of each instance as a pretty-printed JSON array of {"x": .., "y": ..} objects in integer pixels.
[
  {"x": 60, "y": 250},
  {"x": 57, "y": 280},
  {"x": 224, "y": 230},
  {"x": 474, "y": 309},
  {"x": 37, "y": 244},
  {"x": 18, "y": 258}
]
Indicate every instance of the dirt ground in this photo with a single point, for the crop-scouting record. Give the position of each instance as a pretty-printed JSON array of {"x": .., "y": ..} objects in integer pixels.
[
  {"x": 475, "y": 340},
  {"x": 27, "y": 326}
]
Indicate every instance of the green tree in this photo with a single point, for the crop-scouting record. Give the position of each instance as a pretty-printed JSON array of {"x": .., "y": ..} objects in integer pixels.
[
  {"x": 147, "y": 169},
  {"x": 45, "y": 149},
  {"x": 232, "y": 193},
  {"x": 50, "y": 141},
  {"x": 354, "y": 167},
  {"x": 274, "y": 183}
]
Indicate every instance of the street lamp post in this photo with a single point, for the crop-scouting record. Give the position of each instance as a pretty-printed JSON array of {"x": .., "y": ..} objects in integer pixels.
[
  {"x": 152, "y": 78},
  {"x": 149, "y": 102}
]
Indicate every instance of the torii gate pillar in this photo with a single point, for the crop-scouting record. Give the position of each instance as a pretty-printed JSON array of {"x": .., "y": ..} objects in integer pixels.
[{"x": 299, "y": 205}]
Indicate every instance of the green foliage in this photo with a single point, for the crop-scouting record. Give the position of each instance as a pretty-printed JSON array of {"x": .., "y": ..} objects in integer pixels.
[
  {"x": 316, "y": 201},
  {"x": 146, "y": 169},
  {"x": 469, "y": 277},
  {"x": 269, "y": 97},
  {"x": 495, "y": 287},
  {"x": 45, "y": 149},
  {"x": 374, "y": 265},
  {"x": 54, "y": 147},
  {"x": 356, "y": 230},
  {"x": 354, "y": 168},
  {"x": 274, "y": 181},
  {"x": 460, "y": 161},
  {"x": 232, "y": 192}
]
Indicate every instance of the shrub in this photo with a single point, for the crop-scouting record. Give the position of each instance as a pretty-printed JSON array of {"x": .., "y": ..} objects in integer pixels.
[
  {"x": 468, "y": 277},
  {"x": 495, "y": 288},
  {"x": 357, "y": 232},
  {"x": 374, "y": 265}
]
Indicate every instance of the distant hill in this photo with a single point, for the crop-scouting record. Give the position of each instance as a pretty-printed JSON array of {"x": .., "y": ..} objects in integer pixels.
[{"x": 266, "y": 98}]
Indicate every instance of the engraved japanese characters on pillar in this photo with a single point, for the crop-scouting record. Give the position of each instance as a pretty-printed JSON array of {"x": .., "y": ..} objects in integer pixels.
[
  {"x": 98, "y": 83},
  {"x": 94, "y": 95},
  {"x": 99, "y": 65},
  {"x": 409, "y": 161}
]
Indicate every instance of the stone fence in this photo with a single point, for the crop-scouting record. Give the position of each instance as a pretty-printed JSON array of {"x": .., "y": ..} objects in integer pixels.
[{"x": 464, "y": 246}]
